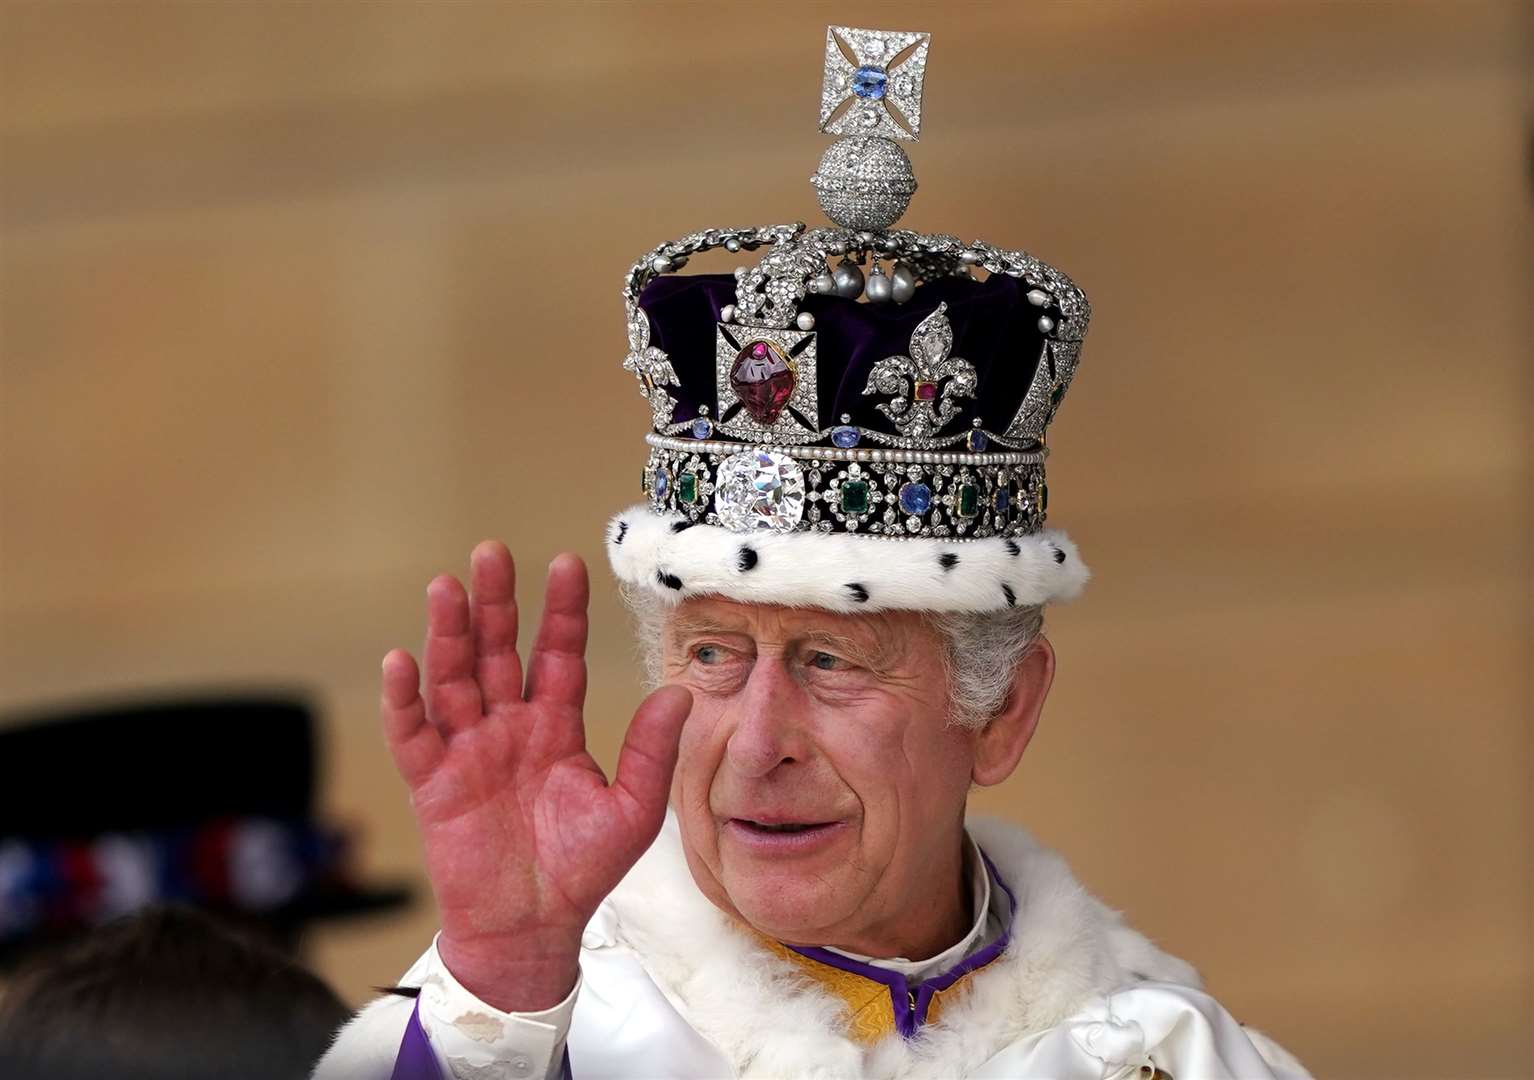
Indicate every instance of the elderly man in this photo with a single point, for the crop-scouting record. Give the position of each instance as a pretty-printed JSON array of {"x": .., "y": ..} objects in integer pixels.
[{"x": 838, "y": 578}]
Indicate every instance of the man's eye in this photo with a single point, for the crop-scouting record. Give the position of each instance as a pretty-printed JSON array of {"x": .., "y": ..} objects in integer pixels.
[
  {"x": 708, "y": 654},
  {"x": 826, "y": 662}
]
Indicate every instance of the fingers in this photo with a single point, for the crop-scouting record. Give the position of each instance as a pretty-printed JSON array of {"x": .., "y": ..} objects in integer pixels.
[
  {"x": 452, "y": 696},
  {"x": 649, "y": 753},
  {"x": 497, "y": 668},
  {"x": 556, "y": 670},
  {"x": 415, "y": 745}
]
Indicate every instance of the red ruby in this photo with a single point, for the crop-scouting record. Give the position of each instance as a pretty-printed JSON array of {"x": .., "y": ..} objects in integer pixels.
[
  {"x": 926, "y": 391},
  {"x": 763, "y": 381}
]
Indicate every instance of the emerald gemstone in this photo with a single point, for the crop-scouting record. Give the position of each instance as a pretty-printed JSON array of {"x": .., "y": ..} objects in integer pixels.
[
  {"x": 969, "y": 500},
  {"x": 855, "y": 497},
  {"x": 687, "y": 488}
]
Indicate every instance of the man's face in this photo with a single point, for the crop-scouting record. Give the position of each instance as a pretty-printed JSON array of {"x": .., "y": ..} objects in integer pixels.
[{"x": 820, "y": 789}]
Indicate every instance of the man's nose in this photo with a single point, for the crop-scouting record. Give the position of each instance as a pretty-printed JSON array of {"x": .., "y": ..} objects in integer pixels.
[{"x": 767, "y": 716}]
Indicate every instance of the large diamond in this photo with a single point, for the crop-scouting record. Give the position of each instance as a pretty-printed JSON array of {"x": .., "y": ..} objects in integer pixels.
[
  {"x": 758, "y": 489},
  {"x": 763, "y": 380}
]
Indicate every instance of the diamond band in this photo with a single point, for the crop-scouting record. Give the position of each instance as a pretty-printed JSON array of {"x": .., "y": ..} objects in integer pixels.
[{"x": 783, "y": 489}]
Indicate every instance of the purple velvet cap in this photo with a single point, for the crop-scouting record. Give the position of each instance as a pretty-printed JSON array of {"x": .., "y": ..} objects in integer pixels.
[{"x": 995, "y": 328}]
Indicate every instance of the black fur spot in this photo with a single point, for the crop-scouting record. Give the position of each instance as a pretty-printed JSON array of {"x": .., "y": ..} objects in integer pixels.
[
  {"x": 859, "y": 593},
  {"x": 671, "y": 581},
  {"x": 682, "y": 526},
  {"x": 623, "y": 528},
  {"x": 1009, "y": 594},
  {"x": 949, "y": 560},
  {"x": 746, "y": 558},
  {"x": 1013, "y": 549},
  {"x": 1059, "y": 555}
]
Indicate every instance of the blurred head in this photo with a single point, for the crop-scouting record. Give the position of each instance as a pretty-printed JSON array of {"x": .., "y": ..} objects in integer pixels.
[
  {"x": 826, "y": 763},
  {"x": 169, "y": 992}
]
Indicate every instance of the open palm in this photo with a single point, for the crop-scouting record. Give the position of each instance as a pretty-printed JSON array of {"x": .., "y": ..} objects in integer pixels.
[{"x": 523, "y": 834}]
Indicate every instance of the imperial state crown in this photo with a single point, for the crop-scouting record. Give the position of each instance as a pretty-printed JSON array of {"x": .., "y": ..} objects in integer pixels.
[{"x": 857, "y": 421}]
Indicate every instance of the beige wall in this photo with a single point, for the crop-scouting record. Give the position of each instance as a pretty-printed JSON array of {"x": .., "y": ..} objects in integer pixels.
[{"x": 297, "y": 300}]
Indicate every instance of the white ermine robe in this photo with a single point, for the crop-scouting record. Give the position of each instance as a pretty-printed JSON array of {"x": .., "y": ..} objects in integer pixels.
[{"x": 673, "y": 988}]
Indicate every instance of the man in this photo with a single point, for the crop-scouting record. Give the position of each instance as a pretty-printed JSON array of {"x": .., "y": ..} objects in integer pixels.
[{"x": 838, "y": 579}]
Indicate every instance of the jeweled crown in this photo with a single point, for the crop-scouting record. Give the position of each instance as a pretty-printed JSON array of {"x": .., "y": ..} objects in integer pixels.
[{"x": 802, "y": 393}]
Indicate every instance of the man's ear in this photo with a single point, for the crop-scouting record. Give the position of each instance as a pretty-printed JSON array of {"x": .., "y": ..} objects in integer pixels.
[{"x": 999, "y": 747}]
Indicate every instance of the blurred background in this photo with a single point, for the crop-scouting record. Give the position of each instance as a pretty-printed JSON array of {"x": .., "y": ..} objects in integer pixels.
[{"x": 302, "y": 300}]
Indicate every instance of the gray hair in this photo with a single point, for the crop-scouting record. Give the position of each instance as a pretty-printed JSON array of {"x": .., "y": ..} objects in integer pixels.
[{"x": 981, "y": 651}]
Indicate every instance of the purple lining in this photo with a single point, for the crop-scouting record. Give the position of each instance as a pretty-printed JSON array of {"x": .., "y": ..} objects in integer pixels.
[
  {"x": 910, "y": 1004},
  {"x": 416, "y": 1060}
]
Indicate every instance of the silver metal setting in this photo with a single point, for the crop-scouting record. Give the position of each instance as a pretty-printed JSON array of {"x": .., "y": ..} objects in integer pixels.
[
  {"x": 799, "y": 422},
  {"x": 651, "y": 366},
  {"x": 933, "y": 377},
  {"x": 864, "y": 182},
  {"x": 874, "y": 51}
]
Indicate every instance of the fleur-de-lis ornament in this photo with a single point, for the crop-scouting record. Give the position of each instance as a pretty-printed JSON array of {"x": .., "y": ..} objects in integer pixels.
[
  {"x": 652, "y": 367},
  {"x": 924, "y": 386}
]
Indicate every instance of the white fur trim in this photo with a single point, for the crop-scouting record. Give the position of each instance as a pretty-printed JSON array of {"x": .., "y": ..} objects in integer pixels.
[
  {"x": 769, "y": 1021},
  {"x": 841, "y": 571},
  {"x": 366, "y": 1046}
]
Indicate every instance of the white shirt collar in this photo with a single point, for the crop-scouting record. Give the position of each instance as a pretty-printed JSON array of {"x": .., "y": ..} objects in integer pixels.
[{"x": 986, "y": 927}]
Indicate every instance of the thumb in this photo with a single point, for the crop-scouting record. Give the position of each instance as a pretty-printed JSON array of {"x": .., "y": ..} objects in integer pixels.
[{"x": 649, "y": 755}]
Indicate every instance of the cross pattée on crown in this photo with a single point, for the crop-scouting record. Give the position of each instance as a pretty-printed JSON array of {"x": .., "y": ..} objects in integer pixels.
[{"x": 878, "y": 91}]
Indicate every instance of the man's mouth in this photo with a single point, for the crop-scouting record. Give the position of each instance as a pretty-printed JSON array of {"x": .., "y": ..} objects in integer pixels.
[{"x": 783, "y": 826}]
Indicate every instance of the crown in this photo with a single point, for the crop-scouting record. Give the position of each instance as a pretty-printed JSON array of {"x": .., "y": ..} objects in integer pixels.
[{"x": 859, "y": 378}]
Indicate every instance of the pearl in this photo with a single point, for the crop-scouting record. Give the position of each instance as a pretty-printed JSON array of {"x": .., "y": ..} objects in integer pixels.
[
  {"x": 727, "y": 313},
  {"x": 1038, "y": 297},
  {"x": 805, "y": 321},
  {"x": 660, "y": 264},
  {"x": 902, "y": 283},
  {"x": 969, "y": 257},
  {"x": 848, "y": 279},
  {"x": 879, "y": 287},
  {"x": 1046, "y": 324},
  {"x": 823, "y": 283},
  {"x": 732, "y": 244}
]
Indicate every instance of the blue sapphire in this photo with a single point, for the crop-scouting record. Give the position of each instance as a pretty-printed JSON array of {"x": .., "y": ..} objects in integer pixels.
[
  {"x": 844, "y": 436},
  {"x": 1003, "y": 500},
  {"x": 977, "y": 440},
  {"x": 915, "y": 498},
  {"x": 869, "y": 81},
  {"x": 702, "y": 428},
  {"x": 662, "y": 485}
]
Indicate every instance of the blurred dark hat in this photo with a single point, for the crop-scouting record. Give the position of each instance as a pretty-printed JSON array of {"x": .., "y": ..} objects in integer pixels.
[{"x": 204, "y": 801}]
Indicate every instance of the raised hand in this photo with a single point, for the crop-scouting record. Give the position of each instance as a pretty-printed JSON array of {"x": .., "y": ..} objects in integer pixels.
[{"x": 523, "y": 834}]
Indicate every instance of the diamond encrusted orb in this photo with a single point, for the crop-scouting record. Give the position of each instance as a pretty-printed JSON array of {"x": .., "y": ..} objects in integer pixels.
[
  {"x": 763, "y": 380},
  {"x": 758, "y": 489},
  {"x": 864, "y": 182}
]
